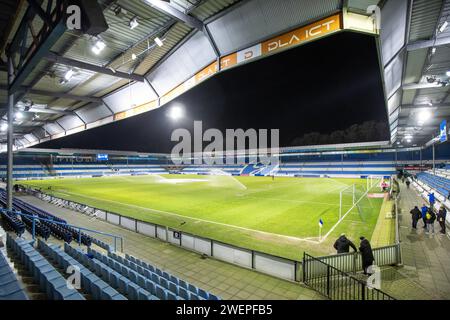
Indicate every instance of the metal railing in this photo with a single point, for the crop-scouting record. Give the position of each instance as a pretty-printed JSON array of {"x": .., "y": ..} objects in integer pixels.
[
  {"x": 36, "y": 220},
  {"x": 336, "y": 284},
  {"x": 352, "y": 262}
]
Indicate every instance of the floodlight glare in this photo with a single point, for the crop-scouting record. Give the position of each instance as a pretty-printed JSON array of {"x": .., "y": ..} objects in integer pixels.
[
  {"x": 424, "y": 116},
  {"x": 4, "y": 127},
  {"x": 69, "y": 75},
  {"x": 448, "y": 73},
  {"x": 443, "y": 27},
  {"x": 408, "y": 140},
  {"x": 133, "y": 56},
  {"x": 159, "y": 42},
  {"x": 98, "y": 47},
  {"x": 176, "y": 113},
  {"x": 19, "y": 115},
  {"x": 134, "y": 23}
]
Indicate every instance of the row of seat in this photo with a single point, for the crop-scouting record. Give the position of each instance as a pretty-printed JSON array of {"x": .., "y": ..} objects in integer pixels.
[
  {"x": 40, "y": 229},
  {"x": 58, "y": 230},
  {"x": 165, "y": 279},
  {"x": 117, "y": 281},
  {"x": 12, "y": 222},
  {"x": 441, "y": 184},
  {"x": 89, "y": 282},
  {"x": 152, "y": 285},
  {"x": 10, "y": 288},
  {"x": 43, "y": 273},
  {"x": 101, "y": 244}
]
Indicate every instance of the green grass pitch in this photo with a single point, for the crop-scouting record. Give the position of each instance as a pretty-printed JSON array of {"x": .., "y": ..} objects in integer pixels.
[{"x": 279, "y": 217}]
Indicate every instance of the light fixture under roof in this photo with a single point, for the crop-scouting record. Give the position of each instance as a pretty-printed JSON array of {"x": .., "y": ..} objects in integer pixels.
[
  {"x": 69, "y": 75},
  {"x": 4, "y": 127},
  {"x": 19, "y": 115},
  {"x": 448, "y": 73},
  {"x": 433, "y": 51},
  {"x": 98, "y": 47},
  {"x": 443, "y": 27},
  {"x": 159, "y": 42},
  {"x": 133, "y": 56},
  {"x": 134, "y": 23}
]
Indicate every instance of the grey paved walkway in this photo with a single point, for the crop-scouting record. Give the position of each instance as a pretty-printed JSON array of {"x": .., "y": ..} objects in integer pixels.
[
  {"x": 426, "y": 258},
  {"x": 223, "y": 279}
]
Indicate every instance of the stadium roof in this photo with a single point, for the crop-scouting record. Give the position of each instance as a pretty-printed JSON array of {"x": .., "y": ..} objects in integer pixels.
[
  {"x": 133, "y": 74},
  {"x": 416, "y": 76}
]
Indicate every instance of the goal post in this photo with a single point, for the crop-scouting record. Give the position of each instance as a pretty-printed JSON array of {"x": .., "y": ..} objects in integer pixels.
[
  {"x": 347, "y": 198},
  {"x": 372, "y": 181}
]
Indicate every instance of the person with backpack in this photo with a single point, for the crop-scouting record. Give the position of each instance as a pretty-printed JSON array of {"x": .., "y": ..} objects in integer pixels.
[
  {"x": 415, "y": 216},
  {"x": 366, "y": 254},
  {"x": 424, "y": 211},
  {"x": 430, "y": 218},
  {"x": 342, "y": 245},
  {"x": 441, "y": 217}
]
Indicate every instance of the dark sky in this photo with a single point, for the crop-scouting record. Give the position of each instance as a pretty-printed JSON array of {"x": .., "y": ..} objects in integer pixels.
[{"x": 323, "y": 86}]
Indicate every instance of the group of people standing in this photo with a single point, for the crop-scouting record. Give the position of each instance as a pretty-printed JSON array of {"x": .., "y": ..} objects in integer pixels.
[
  {"x": 343, "y": 244},
  {"x": 429, "y": 216}
]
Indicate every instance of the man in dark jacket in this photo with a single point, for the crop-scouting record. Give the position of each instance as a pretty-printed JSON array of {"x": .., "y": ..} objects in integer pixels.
[
  {"x": 431, "y": 218},
  {"x": 342, "y": 245},
  {"x": 441, "y": 217},
  {"x": 415, "y": 216},
  {"x": 366, "y": 254},
  {"x": 424, "y": 210}
]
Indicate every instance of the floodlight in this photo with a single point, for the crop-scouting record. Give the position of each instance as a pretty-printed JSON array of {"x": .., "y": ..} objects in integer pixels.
[
  {"x": 98, "y": 47},
  {"x": 19, "y": 115},
  {"x": 69, "y": 75},
  {"x": 4, "y": 127},
  {"x": 448, "y": 73},
  {"x": 408, "y": 140},
  {"x": 424, "y": 116},
  {"x": 443, "y": 27},
  {"x": 159, "y": 42},
  {"x": 134, "y": 23},
  {"x": 433, "y": 51},
  {"x": 133, "y": 56},
  {"x": 176, "y": 113}
]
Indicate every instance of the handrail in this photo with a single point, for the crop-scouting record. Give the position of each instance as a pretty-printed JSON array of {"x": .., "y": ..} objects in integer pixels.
[
  {"x": 34, "y": 218},
  {"x": 332, "y": 272}
]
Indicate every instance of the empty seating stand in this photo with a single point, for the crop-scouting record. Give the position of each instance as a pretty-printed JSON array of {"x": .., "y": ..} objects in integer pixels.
[
  {"x": 43, "y": 273},
  {"x": 162, "y": 283},
  {"x": 10, "y": 288},
  {"x": 90, "y": 283},
  {"x": 119, "y": 282}
]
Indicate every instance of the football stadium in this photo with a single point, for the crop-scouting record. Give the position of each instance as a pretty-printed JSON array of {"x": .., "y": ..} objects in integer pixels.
[{"x": 140, "y": 161}]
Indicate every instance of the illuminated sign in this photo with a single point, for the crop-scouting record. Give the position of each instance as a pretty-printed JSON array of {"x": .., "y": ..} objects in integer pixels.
[
  {"x": 102, "y": 157},
  {"x": 443, "y": 135}
]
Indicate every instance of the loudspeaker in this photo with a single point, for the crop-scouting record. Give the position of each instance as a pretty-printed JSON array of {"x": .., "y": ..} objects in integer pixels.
[{"x": 93, "y": 21}]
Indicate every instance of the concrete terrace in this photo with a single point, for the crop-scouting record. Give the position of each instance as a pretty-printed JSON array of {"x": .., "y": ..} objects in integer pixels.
[
  {"x": 228, "y": 281},
  {"x": 426, "y": 258}
]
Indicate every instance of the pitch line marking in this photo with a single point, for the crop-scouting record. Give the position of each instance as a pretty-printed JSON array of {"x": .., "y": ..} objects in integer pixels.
[{"x": 199, "y": 219}]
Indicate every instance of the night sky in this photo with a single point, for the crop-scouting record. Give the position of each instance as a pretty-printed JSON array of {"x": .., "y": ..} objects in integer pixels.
[{"x": 323, "y": 86}]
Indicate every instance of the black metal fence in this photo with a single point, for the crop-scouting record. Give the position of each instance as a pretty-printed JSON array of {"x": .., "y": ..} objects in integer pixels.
[{"x": 336, "y": 284}]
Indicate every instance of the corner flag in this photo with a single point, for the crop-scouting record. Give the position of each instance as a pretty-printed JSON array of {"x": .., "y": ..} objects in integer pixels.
[{"x": 321, "y": 223}]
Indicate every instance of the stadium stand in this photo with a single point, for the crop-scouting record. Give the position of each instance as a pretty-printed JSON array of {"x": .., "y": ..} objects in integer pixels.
[
  {"x": 79, "y": 170},
  {"x": 10, "y": 288},
  {"x": 338, "y": 169},
  {"x": 44, "y": 228},
  {"x": 43, "y": 273},
  {"x": 90, "y": 283},
  {"x": 168, "y": 281}
]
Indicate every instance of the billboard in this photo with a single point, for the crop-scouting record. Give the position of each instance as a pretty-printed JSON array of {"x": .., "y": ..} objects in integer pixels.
[
  {"x": 102, "y": 157},
  {"x": 443, "y": 134}
]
